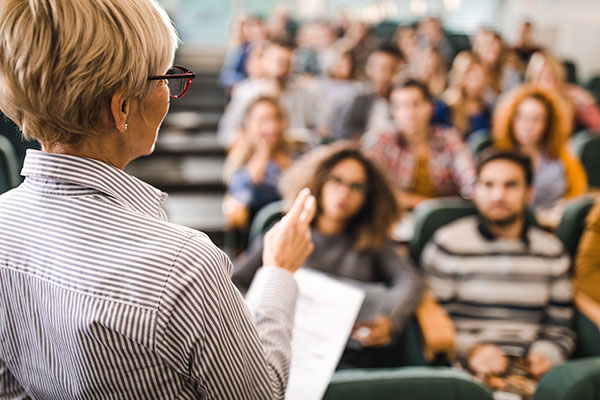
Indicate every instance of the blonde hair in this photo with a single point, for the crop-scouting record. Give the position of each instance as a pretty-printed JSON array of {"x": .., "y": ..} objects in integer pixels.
[
  {"x": 558, "y": 126},
  {"x": 62, "y": 61},
  {"x": 243, "y": 148},
  {"x": 536, "y": 65},
  {"x": 454, "y": 96}
]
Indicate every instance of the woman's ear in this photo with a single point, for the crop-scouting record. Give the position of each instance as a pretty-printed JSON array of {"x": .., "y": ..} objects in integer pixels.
[{"x": 119, "y": 109}]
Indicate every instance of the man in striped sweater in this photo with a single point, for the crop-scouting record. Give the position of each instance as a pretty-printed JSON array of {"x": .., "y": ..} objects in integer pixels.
[{"x": 505, "y": 283}]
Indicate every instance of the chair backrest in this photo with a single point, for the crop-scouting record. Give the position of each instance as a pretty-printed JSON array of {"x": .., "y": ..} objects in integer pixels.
[
  {"x": 266, "y": 217},
  {"x": 432, "y": 215},
  {"x": 572, "y": 224},
  {"x": 594, "y": 82},
  {"x": 438, "y": 383},
  {"x": 9, "y": 170},
  {"x": 586, "y": 145},
  {"x": 570, "y": 71},
  {"x": 479, "y": 140}
]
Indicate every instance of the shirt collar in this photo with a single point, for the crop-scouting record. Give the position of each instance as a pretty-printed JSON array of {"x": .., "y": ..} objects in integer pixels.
[
  {"x": 489, "y": 235},
  {"x": 93, "y": 174}
]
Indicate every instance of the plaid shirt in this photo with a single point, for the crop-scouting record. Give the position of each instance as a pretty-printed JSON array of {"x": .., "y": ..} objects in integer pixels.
[{"x": 451, "y": 167}]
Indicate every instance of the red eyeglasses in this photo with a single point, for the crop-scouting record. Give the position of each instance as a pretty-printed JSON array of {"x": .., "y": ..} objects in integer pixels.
[{"x": 179, "y": 79}]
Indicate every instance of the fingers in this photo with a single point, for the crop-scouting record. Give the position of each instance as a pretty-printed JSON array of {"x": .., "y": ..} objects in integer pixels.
[
  {"x": 293, "y": 216},
  {"x": 308, "y": 212}
]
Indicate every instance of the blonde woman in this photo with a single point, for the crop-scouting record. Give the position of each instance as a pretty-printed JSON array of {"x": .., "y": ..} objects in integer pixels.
[
  {"x": 548, "y": 72},
  {"x": 467, "y": 110},
  {"x": 258, "y": 157},
  {"x": 101, "y": 296}
]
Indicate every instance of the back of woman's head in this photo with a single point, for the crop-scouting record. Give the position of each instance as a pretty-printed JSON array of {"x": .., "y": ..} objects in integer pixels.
[
  {"x": 557, "y": 125},
  {"x": 370, "y": 226},
  {"x": 61, "y": 61}
]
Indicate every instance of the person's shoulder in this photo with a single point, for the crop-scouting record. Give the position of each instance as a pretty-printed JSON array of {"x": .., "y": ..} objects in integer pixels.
[
  {"x": 545, "y": 243},
  {"x": 460, "y": 236}
]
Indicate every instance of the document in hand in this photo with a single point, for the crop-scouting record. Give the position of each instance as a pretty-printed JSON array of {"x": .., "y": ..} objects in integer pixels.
[{"x": 325, "y": 314}]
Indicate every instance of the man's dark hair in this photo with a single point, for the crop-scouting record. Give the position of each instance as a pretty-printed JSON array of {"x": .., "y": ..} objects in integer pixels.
[
  {"x": 282, "y": 42},
  {"x": 522, "y": 160},
  {"x": 388, "y": 49},
  {"x": 414, "y": 84}
]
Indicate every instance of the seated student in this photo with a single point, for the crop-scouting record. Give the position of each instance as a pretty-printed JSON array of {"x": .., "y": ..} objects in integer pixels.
[
  {"x": 547, "y": 71},
  {"x": 424, "y": 160},
  {"x": 534, "y": 121},
  {"x": 355, "y": 211},
  {"x": 256, "y": 161},
  {"x": 429, "y": 66},
  {"x": 587, "y": 260},
  {"x": 504, "y": 282},
  {"x": 501, "y": 64},
  {"x": 465, "y": 106},
  {"x": 368, "y": 109}
]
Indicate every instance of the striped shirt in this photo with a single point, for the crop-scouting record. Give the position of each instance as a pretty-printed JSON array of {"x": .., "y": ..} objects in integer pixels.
[
  {"x": 103, "y": 298},
  {"x": 513, "y": 293}
]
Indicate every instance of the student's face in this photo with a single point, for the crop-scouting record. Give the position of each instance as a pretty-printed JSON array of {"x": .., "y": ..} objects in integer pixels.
[
  {"x": 343, "y": 194},
  {"x": 501, "y": 193},
  {"x": 529, "y": 122},
  {"x": 411, "y": 110},
  {"x": 381, "y": 69},
  {"x": 277, "y": 62},
  {"x": 264, "y": 125},
  {"x": 475, "y": 80}
]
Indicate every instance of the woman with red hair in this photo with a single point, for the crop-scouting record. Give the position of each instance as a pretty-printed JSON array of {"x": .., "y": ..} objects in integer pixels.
[{"x": 536, "y": 122}]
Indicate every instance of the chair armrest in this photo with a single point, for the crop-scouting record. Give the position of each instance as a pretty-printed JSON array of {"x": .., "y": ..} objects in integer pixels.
[
  {"x": 436, "y": 327},
  {"x": 588, "y": 307}
]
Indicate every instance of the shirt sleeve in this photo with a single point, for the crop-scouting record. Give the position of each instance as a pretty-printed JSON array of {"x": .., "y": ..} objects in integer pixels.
[
  {"x": 10, "y": 389},
  {"x": 207, "y": 333},
  {"x": 406, "y": 283}
]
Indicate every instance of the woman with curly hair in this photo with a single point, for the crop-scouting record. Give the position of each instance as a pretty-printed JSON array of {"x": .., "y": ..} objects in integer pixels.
[
  {"x": 355, "y": 212},
  {"x": 536, "y": 122}
]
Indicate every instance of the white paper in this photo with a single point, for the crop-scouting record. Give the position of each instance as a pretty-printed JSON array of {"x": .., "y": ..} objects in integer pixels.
[{"x": 325, "y": 314}]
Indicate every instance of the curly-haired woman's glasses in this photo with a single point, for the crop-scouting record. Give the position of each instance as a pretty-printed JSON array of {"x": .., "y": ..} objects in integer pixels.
[{"x": 179, "y": 79}]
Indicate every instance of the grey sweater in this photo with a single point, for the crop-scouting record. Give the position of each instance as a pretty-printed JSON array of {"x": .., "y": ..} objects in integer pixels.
[{"x": 336, "y": 256}]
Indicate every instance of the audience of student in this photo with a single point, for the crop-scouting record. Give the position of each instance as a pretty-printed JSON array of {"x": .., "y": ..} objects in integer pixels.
[
  {"x": 257, "y": 159},
  {"x": 587, "y": 260},
  {"x": 466, "y": 108},
  {"x": 297, "y": 101},
  {"x": 506, "y": 283},
  {"x": 413, "y": 116},
  {"x": 548, "y": 72},
  {"x": 355, "y": 211},
  {"x": 368, "y": 110},
  {"x": 534, "y": 121},
  {"x": 424, "y": 160}
]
